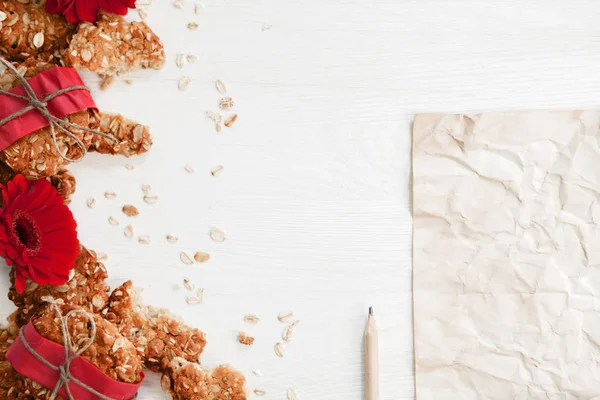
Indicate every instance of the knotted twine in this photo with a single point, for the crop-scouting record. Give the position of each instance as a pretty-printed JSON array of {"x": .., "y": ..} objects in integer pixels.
[
  {"x": 41, "y": 105},
  {"x": 70, "y": 353}
]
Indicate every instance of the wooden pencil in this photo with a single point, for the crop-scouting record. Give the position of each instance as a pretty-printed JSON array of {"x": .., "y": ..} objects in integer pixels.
[{"x": 371, "y": 358}]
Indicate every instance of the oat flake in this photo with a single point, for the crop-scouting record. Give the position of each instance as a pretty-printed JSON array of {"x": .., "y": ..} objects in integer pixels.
[
  {"x": 184, "y": 82},
  {"x": 128, "y": 232},
  {"x": 151, "y": 198},
  {"x": 251, "y": 318},
  {"x": 185, "y": 258},
  {"x": 291, "y": 394},
  {"x": 91, "y": 202},
  {"x": 110, "y": 195},
  {"x": 218, "y": 235},
  {"x": 289, "y": 331},
  {"x": 145, "y": 239},
  {"x": 188, "y": 285},
  {"x": 259, "y": 392},
  {"x": 279, "y": 350},
  {"x": 216, "y": 171},
  {"x": 113, "y": 221},
  {"x": 285, "y": 316},
  {"x": 172, "y": 238},
  {"x": 230, "y": 120},
  {"x": 38, "y": 40},
  {"x": 221, "y": 87},
  {"x": 192, "y": 26},
  {"x": 190, "y": 169}
]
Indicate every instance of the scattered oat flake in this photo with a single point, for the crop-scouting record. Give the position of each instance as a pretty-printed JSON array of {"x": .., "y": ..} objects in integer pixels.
[
  {"x": 221, "y": 87},
  {"x": 128, "y": 232},
  {"x": 91, "y": 202},
  {"x": 251, "y": 318},
  {"x": 129, "y": 167},
  {"x": 198, "y": 8},
  {"x": 113, "y": 221},
  {"x": 185, "y": 258},
  {"x": 256, "y": 372},
  {"x": 190, "y": 169},
  {"x": 289, "y": 331},
  {"x": 184, "y": 82},
  {"x": 130, "y": 210},
  {"x": 128, "y": 81},
  {"x": 145, "y": 239},
  {"x": 143, "y": 13},
  {"x": 146, "y": 188},
  {"x": 244, "y": 339},
  {"x": 226, "y": 103},
  {"x": 291, "y": 394},
  {"x": 279, "y": 349},
  {"x": 180, "y": 60},
  {"x": 151, "y": 198},
  {"x": 191, "y": 58},
  {"x": 188, "y": 285},
  {"x": 193, "y": 300},
  {"x": 259, "y": 392},
  {"x": 218, "y": 235},
  {"x": 230, "y": 120},
  {"x": 201, "y": 257},
  {"x": 178, "y": 4},
  {"x": 172, "y": 238},
  {"x": 285, "y": 316},
  {"x": 110, "y": 195},
  {"x": 214, "y": 115},
  {"x": 216, "y": 171},
  {"x": 218, "y": 127},
  {"x": 192, "y": 26},
  {"x": 266, "y": 27}
]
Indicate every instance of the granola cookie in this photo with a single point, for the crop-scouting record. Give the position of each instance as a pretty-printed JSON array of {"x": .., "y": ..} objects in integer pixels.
[
  {"x": 158, "y": 336},
  {"x": 114, "y": 355},
  {"x": 188, "y": 381},
  {"x": 113, "y": 46},
  {"x": 36, "y": 155},
  {"x": 27, "y": 31},
  {"x": 86, "y": 288}
]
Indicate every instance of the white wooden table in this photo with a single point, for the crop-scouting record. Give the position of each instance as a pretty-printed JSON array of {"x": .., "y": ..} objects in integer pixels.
[{"x": 315, "y": 192}]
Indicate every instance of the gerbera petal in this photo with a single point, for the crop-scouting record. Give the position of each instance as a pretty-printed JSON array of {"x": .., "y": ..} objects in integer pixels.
[
  {"x": 87, "y": 10},
  {"x": 20, "y": 282},
  {"x": 128, "y": 3}
]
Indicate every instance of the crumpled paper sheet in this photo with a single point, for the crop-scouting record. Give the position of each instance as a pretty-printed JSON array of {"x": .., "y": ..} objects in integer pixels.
[{"x": 507, "y": 255}]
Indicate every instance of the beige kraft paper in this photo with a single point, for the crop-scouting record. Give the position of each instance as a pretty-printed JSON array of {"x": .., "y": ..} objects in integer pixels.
[{"x": 507, "y": 255}]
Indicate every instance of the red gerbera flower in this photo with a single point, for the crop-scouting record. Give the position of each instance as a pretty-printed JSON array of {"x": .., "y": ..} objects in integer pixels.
[
  {"x": 87, "y": 10},
  {"x": 38, "y": 233}
]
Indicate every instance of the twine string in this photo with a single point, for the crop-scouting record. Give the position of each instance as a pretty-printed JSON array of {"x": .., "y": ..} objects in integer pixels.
[{"x": 41, "y": 105}]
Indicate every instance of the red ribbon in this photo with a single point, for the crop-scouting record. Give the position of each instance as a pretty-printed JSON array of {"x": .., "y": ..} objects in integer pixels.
[
  {"x": 28, "y": 365},
  {"x": 43, "y": 84}
]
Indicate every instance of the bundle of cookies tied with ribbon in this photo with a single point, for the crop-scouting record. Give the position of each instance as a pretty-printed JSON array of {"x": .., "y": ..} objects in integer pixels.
[{"x": 70, "y": 337}]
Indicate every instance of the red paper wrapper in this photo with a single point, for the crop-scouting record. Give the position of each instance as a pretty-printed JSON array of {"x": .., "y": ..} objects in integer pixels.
[
  {"x": 28, "y": 365},
  {"x": 43, "y": 84}
]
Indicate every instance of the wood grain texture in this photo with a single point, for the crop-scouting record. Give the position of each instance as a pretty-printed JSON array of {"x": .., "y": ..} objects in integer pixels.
[{"x": 315, "y": 191}]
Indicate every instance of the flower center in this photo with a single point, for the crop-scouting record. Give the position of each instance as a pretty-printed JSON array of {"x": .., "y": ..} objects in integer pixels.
[{"x": 26, "y": 231}]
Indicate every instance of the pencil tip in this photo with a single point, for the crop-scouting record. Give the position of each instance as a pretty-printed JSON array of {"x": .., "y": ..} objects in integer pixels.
[{"x": 370, "y": 310}]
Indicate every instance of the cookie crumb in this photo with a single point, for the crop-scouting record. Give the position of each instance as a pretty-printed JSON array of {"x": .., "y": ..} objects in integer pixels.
[
  {"x": 130, "y": 210},
  {"x": 245, "y": 339}
]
